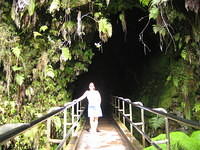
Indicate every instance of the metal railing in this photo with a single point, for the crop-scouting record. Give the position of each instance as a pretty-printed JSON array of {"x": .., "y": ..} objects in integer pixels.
[
  {"x": 125, "y": 114},
  {"x": 71, "y": 121}
]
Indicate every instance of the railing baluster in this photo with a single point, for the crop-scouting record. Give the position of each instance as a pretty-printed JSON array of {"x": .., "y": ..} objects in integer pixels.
[
  {"x": 167, "y": 141},
  {"x": 12, "y": 132},
  {"x": 117, "y": 106},
  {"x": 65, "y": 123},
  {"x": 48, "y": 132},
  {"x": 131, "y": 118},
  {"x": 167, "y": 133},
  {"x": 123, "y": 111},
  {"x": 143, "y": 126},
  {"x": 77, "y": 110},
  {"x": 73, "y": 117}
]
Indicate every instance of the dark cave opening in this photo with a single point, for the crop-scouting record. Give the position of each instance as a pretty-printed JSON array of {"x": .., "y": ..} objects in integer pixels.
[{"x": 119, "y": 69}]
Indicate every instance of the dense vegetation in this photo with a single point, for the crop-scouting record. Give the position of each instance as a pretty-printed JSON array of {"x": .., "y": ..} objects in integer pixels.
[{"x": 46, "y": 44}]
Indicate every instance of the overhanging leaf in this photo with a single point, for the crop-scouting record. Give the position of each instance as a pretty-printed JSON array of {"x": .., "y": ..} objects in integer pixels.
[
  {"x": 19, "y": 78},
  {"x": 49, "y": 72},
  {"x": 43, "y": 28},
  {"x": 66, "y": 55},
  {"x": 123, "y": 21},
  {"x": 159, "y": 29},
  {"x": 35, "y": 34},
  {"x": 105, "y": 29},
  {"x": 145, "y": 2},
  {"x": 55, "y": 5},
  {"x": 187, "y": 39},
  {"x": 16, "y": 51},
  {"x": 16, "y": 68},
  {"x": 31, "y": 7},
  {"x": 107, "y": 2},
  {"x": 153, "y": 13},
  {"x": 184, "y": 54}
]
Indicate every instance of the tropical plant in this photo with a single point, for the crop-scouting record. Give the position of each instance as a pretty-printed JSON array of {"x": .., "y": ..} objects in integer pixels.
[{"x": 179, "y": 141}]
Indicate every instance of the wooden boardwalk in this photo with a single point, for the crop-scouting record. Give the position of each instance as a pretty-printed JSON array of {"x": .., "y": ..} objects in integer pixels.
[{"x": 108, "y": 138}]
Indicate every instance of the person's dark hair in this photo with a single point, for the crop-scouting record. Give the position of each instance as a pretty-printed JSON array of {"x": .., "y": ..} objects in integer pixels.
[{"x": 91, "y": 83}]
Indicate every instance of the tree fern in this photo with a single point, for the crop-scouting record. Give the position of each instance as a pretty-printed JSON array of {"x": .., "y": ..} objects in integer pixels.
[
  {"x": 179, "y": 141},
  {"x": 156, "y": 122}
]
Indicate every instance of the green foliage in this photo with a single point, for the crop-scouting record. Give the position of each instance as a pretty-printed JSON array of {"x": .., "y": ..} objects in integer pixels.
[
  {"x": 158, "y": 2},
  {"x": 19, "y": 78},
  {"x": 31, "y": 7},
  {"x": 153, "y": 13},
  {"x": 159, "y": 29},
  {"x": 197, "y": 107},
  {"x": 40, "y": 55},
  {"x": 37, "y": 67},
  {"x": 156, "y": 122},
  {"x": 43, "y": 28},
  {"x": 65, "y": 54},
  {"x": 196, "y": 136},
  {"x": 123, "y": 21},
  {"x": 55, "y": 6},
  {"x": 36, "y": 34},
  {"x": 196, "y": 110},
  {"x": 57, "y": 122},
  {"x": 179, "y": 140},
  {"x": 49, "y": 72},
  {"x": 32, "y": 139},
  {"x": 145, "y": 2},
  {"x": 107, "y": 2},
  {"x": 167, "y": 96},
  {"x": 105, "y": 29},
  {"x": 121, "y": 5},
  {"x": 174, "y": 15}
]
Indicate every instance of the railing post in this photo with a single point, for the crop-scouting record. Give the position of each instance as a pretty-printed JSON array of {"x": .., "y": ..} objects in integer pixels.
[
  {"x": 73, "y": 116},
  {"x": 80, "y": 106},
  {"x": 123, "y": 111},
  {"x": 142, "y": 123},
  {"x": 167, "y": 133},
  {"x": 131, "y": 118},
  {"x": 118, "y": 102},
  {"x": 116, "y": 106},
  {"x": 167, "y": 141},
  {"x": 113, "y": 103},
  {"x": 65, "y": 124},
  {"x": 143, "y": 126},
  {"x": 77, "y": 110},
  {"x": 48, "y": 132}
]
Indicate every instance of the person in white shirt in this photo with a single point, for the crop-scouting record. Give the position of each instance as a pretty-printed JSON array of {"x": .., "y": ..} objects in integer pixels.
[{"x": 94, "y": 106}]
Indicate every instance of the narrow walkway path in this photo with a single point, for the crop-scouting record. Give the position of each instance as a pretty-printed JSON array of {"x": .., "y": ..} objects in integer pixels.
[{"x": 108, "y": 138}]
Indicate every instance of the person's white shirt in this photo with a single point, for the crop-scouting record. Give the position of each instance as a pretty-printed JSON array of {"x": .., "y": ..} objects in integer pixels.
[{"x": 93, "y": 96}]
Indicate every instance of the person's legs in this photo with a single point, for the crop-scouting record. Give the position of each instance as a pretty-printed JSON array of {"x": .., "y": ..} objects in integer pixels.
[
  {"x": 95, "y": 123},
  {"x": 92, "y": 125}
]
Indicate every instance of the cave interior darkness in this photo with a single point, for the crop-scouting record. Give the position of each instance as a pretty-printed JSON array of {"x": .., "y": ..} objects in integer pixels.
[{"x": 119, "y": 69}]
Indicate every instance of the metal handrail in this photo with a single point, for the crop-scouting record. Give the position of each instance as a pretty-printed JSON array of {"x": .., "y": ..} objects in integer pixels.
[
  {"x": 187, "y": 122},
  {"x": 158, "y": 111},
  {"x": 11, "y": 133},
  {"x": 76, "y": 113},
  {"x": 70, "y": 131}
]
